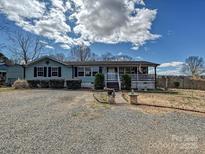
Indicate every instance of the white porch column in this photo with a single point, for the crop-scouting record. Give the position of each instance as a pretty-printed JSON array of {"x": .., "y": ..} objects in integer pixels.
[
  {"x": 137, "y": 73},
  {"x": 118, "y": 76}
]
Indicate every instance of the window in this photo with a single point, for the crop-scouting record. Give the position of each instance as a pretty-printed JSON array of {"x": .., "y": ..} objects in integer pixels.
[
  {"x": 80, "y": 71},
  {"x": 40, "y": 71},
  {"x": 95, "y": 70},
  {"x": 127, "y": 70},
  {"x": 121, "y": 70},
  {"x": 87, "y": 71},
  {"x": 133, "y": 70},
  {"x": 143, "y": 70},
  {"x": 54, "y": 71}
]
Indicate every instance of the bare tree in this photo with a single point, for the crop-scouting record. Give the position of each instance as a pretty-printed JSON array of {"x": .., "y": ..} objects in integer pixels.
[
  {"x": 25, "y": 47},
  {"x": 4, "y": 59},
  {"x": 59, "y": 56},
  {"x": 3, "y": 28},
  {"x": 194, "y": 66},
  {"x": 107, "y": 57},
  {"x": 81, "y": 53}
]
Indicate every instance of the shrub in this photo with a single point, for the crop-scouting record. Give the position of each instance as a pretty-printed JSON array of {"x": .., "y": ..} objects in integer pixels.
[
  {"x": 126, "y": 82},
  {"x": 73, "y": 84},
  {"x": 21, "y": 84},
  {"x": 34, "y": 83},
  {"x": 38, "y": 83},
  {"x": 176, "y": 84},
  {"x": 56, "y": 84},
  {"x": 44, "y": 84},
  {"x": 99, "y": 81}
]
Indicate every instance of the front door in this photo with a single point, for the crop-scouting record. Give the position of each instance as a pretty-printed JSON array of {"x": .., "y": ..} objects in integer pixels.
[
  {"x": 112, "y": 74},
  {"x": 112, "y": 70}
]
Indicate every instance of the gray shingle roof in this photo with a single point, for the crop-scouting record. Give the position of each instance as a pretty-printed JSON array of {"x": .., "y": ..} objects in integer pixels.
[
  {"x": 97, "y": 63},
  {"x": 111, "y": 63}
]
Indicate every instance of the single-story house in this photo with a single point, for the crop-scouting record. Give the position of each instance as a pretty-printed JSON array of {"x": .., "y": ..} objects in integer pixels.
[{"x": 143, "y": 73}]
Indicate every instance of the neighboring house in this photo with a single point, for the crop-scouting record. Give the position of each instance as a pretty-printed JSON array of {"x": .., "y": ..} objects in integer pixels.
[
  {"x": 14, "y": 72},
  {"x": 47, "y": 68},
  {"x": 3, "y": 70}
]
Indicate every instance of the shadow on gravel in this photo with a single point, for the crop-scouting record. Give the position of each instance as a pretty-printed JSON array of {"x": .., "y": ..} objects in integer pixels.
[{"x": 168, "y": 107}]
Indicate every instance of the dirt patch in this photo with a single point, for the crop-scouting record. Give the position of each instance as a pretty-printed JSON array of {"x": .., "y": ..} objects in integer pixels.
[
  {"x": 6, "y": 89},
  {"x": 168, "y": 101},
  {"x": 151, "y": 110},
  {"x": 184, "y": 99}
]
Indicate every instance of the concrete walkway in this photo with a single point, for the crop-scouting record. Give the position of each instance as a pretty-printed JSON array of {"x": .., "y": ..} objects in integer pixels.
[{"x": 119, "y": 99}]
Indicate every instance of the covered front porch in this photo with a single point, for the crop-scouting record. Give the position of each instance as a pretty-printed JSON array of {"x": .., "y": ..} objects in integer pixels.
[{"x": 142, "y": 77}]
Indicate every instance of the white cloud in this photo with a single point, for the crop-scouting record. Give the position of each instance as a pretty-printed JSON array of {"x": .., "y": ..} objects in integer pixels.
[
  {"x": 105, "y": 21},
  {"x": 171, "y": 68},
  {"x": 48, "y": 23},
  {"x": 65, "y": 46},
  {"x": 113, "y": 22},
  {"x": 119, "y": 53},
  {"x": 172, "y": 64},
  {"x": 19, "y": 9},
  {"x": 139, "y": 58},
  {"x": 175, "y": 72},
  {"x": 49, "y": 47}
]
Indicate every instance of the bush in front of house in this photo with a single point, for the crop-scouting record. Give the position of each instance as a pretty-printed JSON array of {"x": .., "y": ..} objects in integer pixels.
[
  {"x": 34, "y": 83},
  {"x": 73, "y": 84},
  {"x": 99, "y": 81},
  {"x": 176, "y": 84},
  {"x": 126, "y": 82},
  {"x": 44, "y": 84},
  {"x": 20, "y": 84},
  {"x": 38, "y": 83},
  {"x": 56, "y": 84}
]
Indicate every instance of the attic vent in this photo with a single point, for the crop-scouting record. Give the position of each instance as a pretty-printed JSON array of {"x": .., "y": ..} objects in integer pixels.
[{"x": 47, "y": 62}]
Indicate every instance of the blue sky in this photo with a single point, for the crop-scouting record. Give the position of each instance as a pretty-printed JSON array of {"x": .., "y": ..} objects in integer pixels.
[{"x": 180, "y": 24}]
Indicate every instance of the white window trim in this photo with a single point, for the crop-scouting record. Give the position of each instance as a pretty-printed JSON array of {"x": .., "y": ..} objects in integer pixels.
[
  {"x": 54, "y": 67},
  {"x": 85, "y": 71},
  {"x": 82, "y": 67},
  {"x": 39, "y": 71},
  {"x": 91, "y": 71}
]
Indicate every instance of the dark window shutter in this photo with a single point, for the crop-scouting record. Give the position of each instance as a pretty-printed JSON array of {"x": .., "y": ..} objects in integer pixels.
[
  {"x": 100, "y": 69},
  {"x": 115, "y": 69},
  {"x": 59, "y": 71},
  {"x": 49, "y": 72},
  {"x": 45, "y": 71},
  {"x": 35, "y": 72},
  {"x": 76, "y": 71}
]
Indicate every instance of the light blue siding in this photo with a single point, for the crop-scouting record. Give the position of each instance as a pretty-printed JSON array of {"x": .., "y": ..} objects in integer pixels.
[
  {"x": 66, "y": 71},
  {"x": 88, "y": 81},
  {"x": 13, "y": 73}
]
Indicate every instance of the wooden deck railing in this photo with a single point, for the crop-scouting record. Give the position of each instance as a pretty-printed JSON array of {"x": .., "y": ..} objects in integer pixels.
[{"x": 134, "y": 77}]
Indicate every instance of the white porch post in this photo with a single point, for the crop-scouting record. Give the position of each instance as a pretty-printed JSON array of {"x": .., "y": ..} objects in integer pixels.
[
  {"x": 118, "y": 76},
  {"x": 137, "y": 73},
  {"x": 104, "y": 71}
]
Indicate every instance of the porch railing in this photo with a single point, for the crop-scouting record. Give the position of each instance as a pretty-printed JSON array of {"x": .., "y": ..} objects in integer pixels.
[
  {"x": 112, "y": 77},
  {"x": 134, "y": 77}
]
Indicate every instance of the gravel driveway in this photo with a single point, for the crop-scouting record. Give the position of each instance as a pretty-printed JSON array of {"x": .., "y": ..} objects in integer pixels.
[{"x": 60, "y": 121}]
